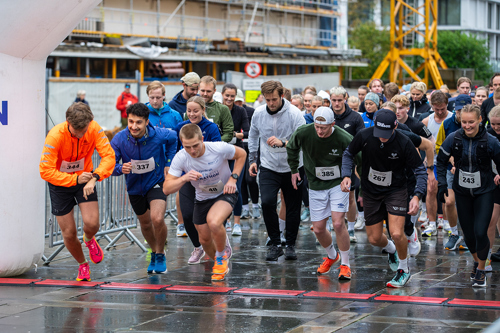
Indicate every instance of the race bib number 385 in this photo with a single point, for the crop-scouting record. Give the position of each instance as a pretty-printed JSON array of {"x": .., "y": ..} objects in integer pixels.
[
  {"x": 380, "y": 178},
  {"x": 72, "y": 166},
  {"x": 327, "y": 173}
]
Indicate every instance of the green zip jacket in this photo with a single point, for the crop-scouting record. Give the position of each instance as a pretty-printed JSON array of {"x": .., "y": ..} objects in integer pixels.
[{"x": 220, "y": 115}]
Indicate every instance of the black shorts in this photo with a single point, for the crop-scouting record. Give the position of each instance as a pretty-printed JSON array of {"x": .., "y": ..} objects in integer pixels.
[
  {"x": 201, "y": 208},
  {"x": 63, "y": 199},
  {"x": 377, "y": 207},
  {"x": 140, "y": 204},
  {"x": 496, "y": 195}
]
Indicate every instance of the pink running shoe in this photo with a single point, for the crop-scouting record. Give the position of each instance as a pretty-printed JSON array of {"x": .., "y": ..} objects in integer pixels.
[
  {"x": 95, "y": 250},
  {"x": 83, "y": 272}
]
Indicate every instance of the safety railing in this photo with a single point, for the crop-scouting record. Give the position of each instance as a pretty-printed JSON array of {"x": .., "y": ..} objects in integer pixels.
[{"x": 115, "y": 213}]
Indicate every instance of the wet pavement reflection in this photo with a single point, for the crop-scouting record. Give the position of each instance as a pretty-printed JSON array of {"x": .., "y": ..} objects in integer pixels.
[{"x": 436, "y": 272}]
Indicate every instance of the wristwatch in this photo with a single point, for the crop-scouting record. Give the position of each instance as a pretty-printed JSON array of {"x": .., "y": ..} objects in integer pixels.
[
  {"x": 419, "y": 195},
  {"x": 96, "y": 176},
  {"x": 235, "y": 176},
  {"x": 430, "y": 167},
  {"x": 283, "y": 143}
]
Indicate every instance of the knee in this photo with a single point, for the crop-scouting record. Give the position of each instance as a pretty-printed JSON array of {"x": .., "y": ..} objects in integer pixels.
[
  {"x": 397, "y": 235},
  {"x": 204, "y": 239},
  {"x": 338, "y": 225},
  {"x": 374, "y": 239},
  {"x": 158, "y": 222},
  {"x": 319, "y": 229}
]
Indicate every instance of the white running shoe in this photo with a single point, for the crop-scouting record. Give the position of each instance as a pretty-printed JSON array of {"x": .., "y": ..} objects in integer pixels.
[
  {"x": 440, "y": 223},
  {"x": 446, "y": 226},
  {"x": 423, "y": 216},
  {"x": 424, "y": 224},
  {"x": 237, "y": 230},
  {"x": 414, "y": 245},
  {"x": 360, "y": 223},
  {"x": 181, "y": 230},
  {"x": 228, "y": 226},
  {"x": 430, "y": 231}
]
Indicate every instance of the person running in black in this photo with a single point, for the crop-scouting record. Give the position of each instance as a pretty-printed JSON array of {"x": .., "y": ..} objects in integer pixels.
[
  {"x": 386, "y": 155},
  {"x": 472, "y": 149}
]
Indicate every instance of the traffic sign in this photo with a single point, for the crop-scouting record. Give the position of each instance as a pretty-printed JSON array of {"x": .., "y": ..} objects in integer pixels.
[{"x": 253, "y": 69}]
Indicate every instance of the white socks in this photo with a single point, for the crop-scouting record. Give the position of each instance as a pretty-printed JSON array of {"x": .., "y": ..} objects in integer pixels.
[
  {"x": 344, "y": 257},
  {"x": 350, "y": 225},
  {"x": 330, "y": 250},
  {"x": 390, "y": 247},
  {"x": 403, "y": 264},
  {"x": 282, "y": 225}
]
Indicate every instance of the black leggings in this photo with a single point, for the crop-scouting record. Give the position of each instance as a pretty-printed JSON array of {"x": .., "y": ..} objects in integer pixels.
[
  {"x": 474, "y": 214},
  {"x": 186, "y": 200},
  {"x": 249, "y": 183},
  {"x": 305, "y": 191}
]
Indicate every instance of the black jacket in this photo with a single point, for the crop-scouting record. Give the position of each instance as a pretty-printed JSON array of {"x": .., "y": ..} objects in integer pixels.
[
  {"x": 418, "y": 107},
  {"x": 349, "y": 121},
  {"x": 240, "y": 121},
  {"x": 486, "y": 107}
]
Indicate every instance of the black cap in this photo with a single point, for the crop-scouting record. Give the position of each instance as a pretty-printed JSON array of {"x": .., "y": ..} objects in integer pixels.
[
  {"x": 385, "y": 122},
  {"x": 461, "y": 101},
  {"x": 127, "y": 85}
]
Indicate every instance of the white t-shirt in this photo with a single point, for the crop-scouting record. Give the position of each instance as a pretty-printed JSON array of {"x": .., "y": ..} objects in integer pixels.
[{"x": 212, "y": 165}]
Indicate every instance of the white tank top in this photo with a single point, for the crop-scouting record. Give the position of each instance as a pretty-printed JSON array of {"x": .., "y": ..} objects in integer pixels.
[{"x": 433, "y": 126}]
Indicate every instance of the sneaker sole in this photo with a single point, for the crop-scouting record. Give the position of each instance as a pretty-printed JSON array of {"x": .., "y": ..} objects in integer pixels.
[
  {"x": 164, "y": 272},
  {"x": 397, "y": 286},
  {"x": 236, "y": 234},
  {"x": 353, "y": 240},
  {"x": 290, "y": 258},
  {"x": 343, "y": 277},
  {"x": 181, "y": 235},
  {"x": 227, "y": 270},
  {"x": 80, "y": 280}
]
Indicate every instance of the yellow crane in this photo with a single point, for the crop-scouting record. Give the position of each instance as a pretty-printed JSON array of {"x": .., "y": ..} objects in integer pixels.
[{"x": 406, "y": 22}]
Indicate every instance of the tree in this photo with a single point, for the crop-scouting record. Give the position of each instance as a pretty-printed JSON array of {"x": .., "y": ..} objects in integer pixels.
[
  {"x": 460, "y": 50},
  {"x": 360, "y": 12},
  {"x": 374, "y": 45}
]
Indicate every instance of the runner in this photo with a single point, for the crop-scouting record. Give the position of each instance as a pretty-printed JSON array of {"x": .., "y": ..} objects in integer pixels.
[
  {"x": 322, "y": 144},
  {"x": 145, "y": 164},
  {"x": 494, "y": 120},
  {"x": 190, "y": 83},
  {"x": 386, "y": 154},
  {"x": 66, "y": 164},
  {"x": 205, "y": 166},
  {"x": 472, "y": 149},
  {"x": 273, "y": 125},
  {"x": 418, "y": 99},
  {"x": 372, "y": 103}
]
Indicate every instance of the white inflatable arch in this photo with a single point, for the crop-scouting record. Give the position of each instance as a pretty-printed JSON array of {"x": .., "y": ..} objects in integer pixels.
[{"x": 30, "y": 31}]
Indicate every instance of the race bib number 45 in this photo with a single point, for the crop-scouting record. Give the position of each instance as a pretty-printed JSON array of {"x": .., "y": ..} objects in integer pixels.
[
  {"x": 143, "y": 166},
  {"x": 380, "y": 178},
  {"x": 327, "y": 173},
  {"x": 70, "y": 167},
  {"x": 469, "y": 179}
]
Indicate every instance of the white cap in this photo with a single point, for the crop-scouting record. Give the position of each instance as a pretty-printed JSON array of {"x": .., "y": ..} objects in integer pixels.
[
  {"x": 323, "y": 94},
  {"x": 326, "y": 113},
  {"x": 191, "y": 78},
  {"x": 239, "y": 96},
  {"x": 218, "y": 97}
]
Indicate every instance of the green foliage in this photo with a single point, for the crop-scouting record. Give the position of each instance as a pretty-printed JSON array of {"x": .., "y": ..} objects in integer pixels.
[
  {"x": 360, "y": 12},
  {"x": 460, "y": 50},
  {"x": 374, "y": 45}
]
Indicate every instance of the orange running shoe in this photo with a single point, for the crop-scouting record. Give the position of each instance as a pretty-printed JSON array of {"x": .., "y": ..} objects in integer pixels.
[
  {"x": 327, "y": 264},
  {"x": 221, "y": 265},
  {"x": 83, "y": 272},
  {"x": 345, "y": 272},
  {"x": 95, "y": 251},
  {"x": 218, "y": 277}
]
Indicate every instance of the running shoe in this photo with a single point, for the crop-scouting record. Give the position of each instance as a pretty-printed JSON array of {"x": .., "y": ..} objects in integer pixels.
[
  {"x": 283, "y": 237},
  {"x": 95, "y": 250},
  {"x": 245, "y": 214},
  {"x": 196, "y": 256},
  {"x": 424, "y": 224},
  {"x": 453, "y": 242},
  {"x": 219, "y": 277},
  {"x": 479, "y": 279},
  {"x": 327, "y": 264},
  {"x": 393, "y": 260},
  {"x": 256, "y": 213},
  {"x": 360, "y": 223},
  {"x": 463, "y": 246},
  {"x": 352, "y": 236},
  {"x": 399, "y": 280},
  {"x": 474, "y": 271},
  {"x": 228, "y": 250},
  {"x": 430, "y": 231},
  {"x": 440, "y": 223},
  {"x": 487, "y": 266},
  {"x": 83, "y": 272},
  {"x": 228, "y": 226},
  {"x": 290, "y": 253},
  {"x": 181, "y": 230},
  {"x": 423, "y": 216},
  {"x": 414, "y": 245},
  {"x": 152, "y": 263},
  {"x": 305, "y": 214},
  {"x": 274, "y": 252},
  {"x": 237, "y": 230},
  {"x": 447, "y": 227},
  {"x": 161, "y": 263},
  {"x": 220, "y": 265},
  {"x": 496, "y": 256},
  {"x": 345, "y": 272}
]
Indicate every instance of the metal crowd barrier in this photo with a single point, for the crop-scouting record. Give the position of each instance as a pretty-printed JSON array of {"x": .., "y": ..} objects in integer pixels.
[{"x": 115, "y": 213}]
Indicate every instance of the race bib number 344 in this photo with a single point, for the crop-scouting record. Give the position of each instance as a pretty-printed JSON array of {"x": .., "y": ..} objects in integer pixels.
[{"x": 70, "y": 167}]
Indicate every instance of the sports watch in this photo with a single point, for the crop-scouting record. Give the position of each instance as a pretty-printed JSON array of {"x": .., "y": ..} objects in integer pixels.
[{"x": 235, "y": 176}]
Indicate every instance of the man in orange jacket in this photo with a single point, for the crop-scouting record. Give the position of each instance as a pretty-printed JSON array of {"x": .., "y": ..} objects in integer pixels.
[
  {"x": 66, "y": 164},
  {"x": 125, "y": 99}
]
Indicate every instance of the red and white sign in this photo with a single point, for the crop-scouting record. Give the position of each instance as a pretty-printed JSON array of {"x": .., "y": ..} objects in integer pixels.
[{"x": 253, "y": 69}]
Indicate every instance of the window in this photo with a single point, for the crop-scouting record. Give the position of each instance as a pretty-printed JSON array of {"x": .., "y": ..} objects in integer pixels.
[
  {"x": 490, "y": 15},
  {"x": 385, "y": 9},
  {"x": 449, "y": 12}
]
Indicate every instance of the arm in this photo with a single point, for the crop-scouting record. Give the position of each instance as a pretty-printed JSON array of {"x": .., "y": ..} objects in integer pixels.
[
  {"x": 253, "y": 146},
  {"x": 107, "y": 165},
  {"x": 118, "y": 156},
  {"x": 48, "y": 165},
  {"x": 240, "y": 157},
  {"x": 245, "y": 125},
  {"x": 173, "y": 184},
  {"x": 227, "y": 124},
  {"x": 347, "y": 165},
  {"x": 292, "y": 151},
  {"x": 442, "y": 160}
]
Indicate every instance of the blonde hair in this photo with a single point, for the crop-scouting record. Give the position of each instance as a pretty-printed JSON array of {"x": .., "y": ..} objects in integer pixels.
[
  {"x": 190, "y": 131},
  {"x": 462, "y": 80},
  {"x": 472, "y": 108},
  {"x": 420, "y": 86},
  {"x": 401, "y": 99},
  {"x": 495, "y": 112},
  {"x": 209, "y": 79},
  {"x": 353, "y": 99},
  {"x": 155, "y": 85},
  {"x": 390, "y": 105},
  {"x": 200, "y": 101}
]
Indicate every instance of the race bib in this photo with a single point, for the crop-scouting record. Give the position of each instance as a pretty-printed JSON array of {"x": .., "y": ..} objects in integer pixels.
[
  {"x": 143, "y": 166},
  {"x": 327, "y": 173},
  {"x": 380, "y": 178},
  {"x": 72, "y": 166},
  {"x": 469, "y": 179},
  {"x": 215, "y": 188},
  {"x": 494, "y": 168}
]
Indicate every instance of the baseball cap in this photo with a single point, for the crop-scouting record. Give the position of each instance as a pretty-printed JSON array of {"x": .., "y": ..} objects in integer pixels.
[
  {"x": 326, "y": 113},
  {"x": 239, "y": 96},
  {"x": 191, "y": 78},
  {"x": 385, "y": 122},
  {"x": 217, "y": 96},
  {"x": 461, "y": 101},
  {"x": 323, "y": 94},
  {"x": 127, "y": 85}
]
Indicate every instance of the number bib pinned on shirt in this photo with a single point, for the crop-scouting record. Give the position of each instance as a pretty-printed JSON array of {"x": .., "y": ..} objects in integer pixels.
[
  {"x": 327, "y": 173},
  {"x": 469, "y": 179},
  {"x": 143, "y": 166},
  {"x": 72, "y": 166},
  {"x": 380, "y": 178},
  {"x": 214, "y": 188}
]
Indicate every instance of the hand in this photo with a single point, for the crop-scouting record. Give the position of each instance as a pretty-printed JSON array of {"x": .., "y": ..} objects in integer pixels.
[
  {"x": 497, "y": 180},
  {"x": 453, "y": 170},
  {"x": 442, "y": 192},
  {"x": 127, "y": 168},
  {"x": 274, "y": 141},
  {"x": 192, "y": 176},
  {"x": 360, "y": 200},
  {"x": 345, "y": 186},
  {"x": 413, "y": 206},
  {"x": 431, "y": 179},
  {"x": 238, "y": 135},
  {"x": 295, "y": 177},
  {"x": 253, "y": 170},
  {"x": 84, "y": 177},
  {"x": 89, "y": 188},
  {"x": 230, "y": 186}
]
